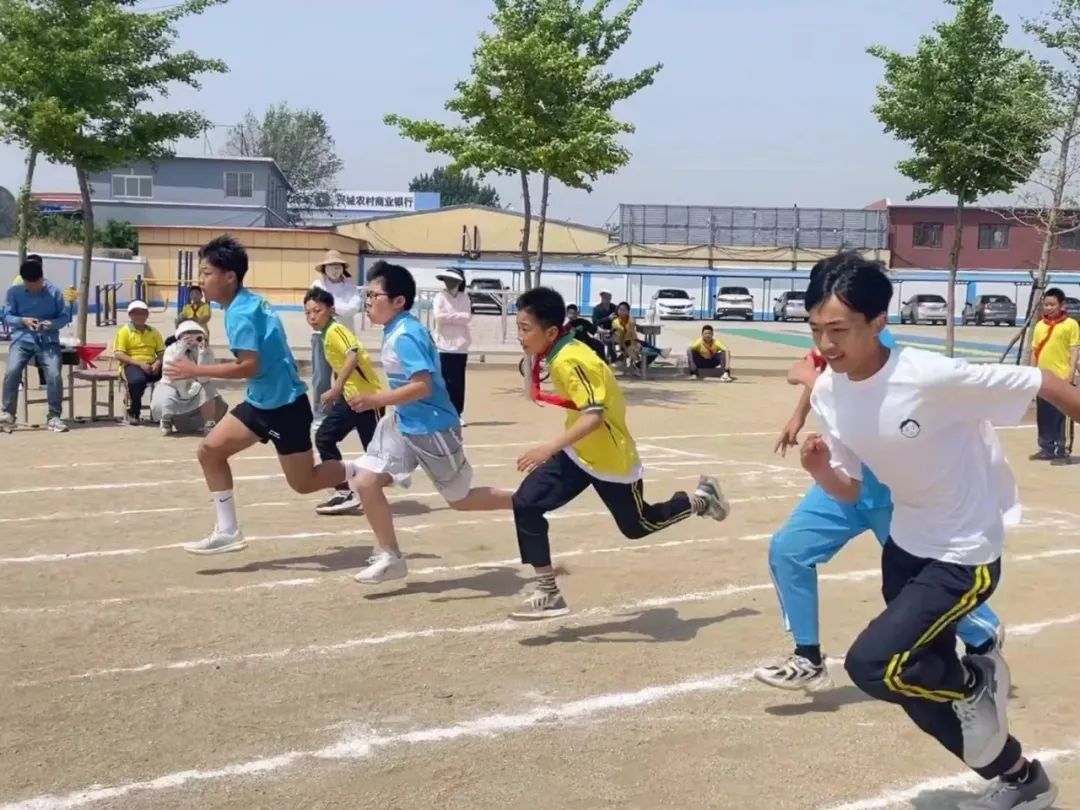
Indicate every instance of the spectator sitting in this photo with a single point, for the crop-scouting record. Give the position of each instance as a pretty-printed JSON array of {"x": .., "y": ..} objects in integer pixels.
[
  {"x": 188, "y": 406},
  {"x": 584, "y": 330},
  {"x": 139, "y": 349},
  {"x": 35, "y": 311},
  {"x": 196, "y": 309},
  {"x": 708, "y": 353}
]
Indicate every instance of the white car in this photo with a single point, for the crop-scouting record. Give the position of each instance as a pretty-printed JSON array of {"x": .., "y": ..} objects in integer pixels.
[
  {"x": 735, "y": 301},
  {"x": 673, "y": 303}
]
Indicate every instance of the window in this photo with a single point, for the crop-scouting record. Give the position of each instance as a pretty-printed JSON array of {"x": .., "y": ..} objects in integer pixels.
[
  {"x": 239, "y": 184},
  {"x": 131, "y": 185},
  {"x": 927, "y": 234},
  {"x": 1069, "y": 240},
  {"x": 993, "y": 237}
]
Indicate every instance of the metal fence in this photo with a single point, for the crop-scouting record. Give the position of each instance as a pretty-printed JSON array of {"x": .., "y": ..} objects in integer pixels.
[{"x": 794, "y": 227}]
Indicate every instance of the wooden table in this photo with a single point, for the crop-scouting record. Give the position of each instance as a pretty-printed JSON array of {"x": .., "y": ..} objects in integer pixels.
[{"x": 650, "y": 332}]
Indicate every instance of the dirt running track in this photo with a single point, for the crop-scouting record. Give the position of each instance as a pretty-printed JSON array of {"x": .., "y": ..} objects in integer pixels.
[{"x": 136, "y": 676}]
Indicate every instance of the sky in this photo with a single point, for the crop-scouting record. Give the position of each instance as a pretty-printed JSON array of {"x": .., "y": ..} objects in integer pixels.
[{"x": 757, "y": 104}]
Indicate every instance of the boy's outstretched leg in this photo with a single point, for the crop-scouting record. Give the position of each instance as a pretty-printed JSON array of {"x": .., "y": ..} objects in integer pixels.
[
  {"x": 229, "y": 437},
  {"x": 637, "y": 518}
]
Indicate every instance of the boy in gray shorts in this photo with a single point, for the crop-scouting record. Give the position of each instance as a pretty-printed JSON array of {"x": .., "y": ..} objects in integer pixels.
[{"x": 422, "y": 429}]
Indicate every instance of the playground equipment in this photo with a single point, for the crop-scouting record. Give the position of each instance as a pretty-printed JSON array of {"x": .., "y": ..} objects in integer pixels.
[{"x": 105, "y": 303}]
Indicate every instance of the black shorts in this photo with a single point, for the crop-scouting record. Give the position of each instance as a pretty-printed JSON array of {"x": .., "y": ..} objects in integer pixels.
[{"x": 288, "y": 427}]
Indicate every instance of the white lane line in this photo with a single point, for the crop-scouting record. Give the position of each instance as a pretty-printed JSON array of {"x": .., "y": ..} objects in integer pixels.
[
  {"x": 363, "y": 745},
  {"x": 130, "y": 512},
  {"x": 903, "y": 796}
]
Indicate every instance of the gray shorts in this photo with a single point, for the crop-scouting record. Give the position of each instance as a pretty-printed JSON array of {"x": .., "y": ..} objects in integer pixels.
[{"x": 441, "y": 455}]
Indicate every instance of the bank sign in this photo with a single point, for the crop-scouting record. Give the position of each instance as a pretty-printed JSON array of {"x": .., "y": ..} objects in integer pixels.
[{"x": 374, "y": 201}]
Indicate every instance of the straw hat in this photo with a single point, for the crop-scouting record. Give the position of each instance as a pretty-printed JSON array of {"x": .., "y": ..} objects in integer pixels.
[{"x": 334, "y": 257}]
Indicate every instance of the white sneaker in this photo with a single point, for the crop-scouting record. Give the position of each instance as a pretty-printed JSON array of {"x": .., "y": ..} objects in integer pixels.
[
  {"x": 6, "y": 419},
  {"x": 218, "y": 543},
  {"x": 56, "y": 425},
  {"x": 984, "y": 715},
  {"x": 166, "y": 426},
  {"x": 796, "y": 673},
  {"x": 542, "y": 605},
  {"x": 382, "y": 567},
  {"x": 339, "y": 503}
]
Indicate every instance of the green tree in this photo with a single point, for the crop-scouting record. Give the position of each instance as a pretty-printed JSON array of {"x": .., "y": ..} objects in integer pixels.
[
  {"x": 105, "y": 61},
  {"x": 539, "y": 102},
  {"x": 975, "y": 113},
  {"x": 300, "y": 143},
  {"x": 455, "y": 188}
]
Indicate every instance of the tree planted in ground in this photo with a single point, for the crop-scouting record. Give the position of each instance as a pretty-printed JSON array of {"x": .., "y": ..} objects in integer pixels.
[
  {"x": 540, "y": 102},
  {"x": 975, "y": 113},
  {"x": 455, "y": 188}
]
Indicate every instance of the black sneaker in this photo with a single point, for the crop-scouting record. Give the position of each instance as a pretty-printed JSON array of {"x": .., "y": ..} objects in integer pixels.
[
  {"x": 1042, "y": 455},
  {"x": 1037, "y": 793},
  {"x": 339, "y": 503},
  {"x": 542, "y": 605}
]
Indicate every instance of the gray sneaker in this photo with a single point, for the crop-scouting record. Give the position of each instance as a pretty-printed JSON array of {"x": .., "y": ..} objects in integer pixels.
[
  {"x": 984, "y": 714},
  {"x": 6, "y": 419},
  {"x": 56, "y": 425},
  {"x": 1037, "y": 793},
  {"x": 716, "y": 505}
]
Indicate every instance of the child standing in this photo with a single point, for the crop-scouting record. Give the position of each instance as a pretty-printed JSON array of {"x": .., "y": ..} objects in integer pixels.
[
  {"x": 596, "y": 450},
  {"x": 422, "y": 430},
  {"x": 353, "y": 375},
  {"x": 1055, "y": 346}
]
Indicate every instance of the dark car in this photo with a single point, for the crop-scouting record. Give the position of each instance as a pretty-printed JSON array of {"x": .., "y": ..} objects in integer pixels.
[
  {"x": 481, "y": 297},
  {"x": 995, "y": 309}
]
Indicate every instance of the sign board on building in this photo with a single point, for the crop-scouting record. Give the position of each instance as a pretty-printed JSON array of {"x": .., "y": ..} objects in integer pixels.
[{"x": 375, "y": 201}]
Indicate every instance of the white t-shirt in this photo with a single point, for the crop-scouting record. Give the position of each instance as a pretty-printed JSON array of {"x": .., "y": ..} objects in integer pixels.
[{"x": 923, "y": 424}]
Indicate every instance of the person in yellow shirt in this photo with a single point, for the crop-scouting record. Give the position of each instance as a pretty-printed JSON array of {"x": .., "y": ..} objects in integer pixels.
[
  {"x": 595, "y": 449},
  {"x": 196, "y": 309},
  {"x": 708, "y": 353},
  {"x": 139, "y": 349},
  {"x": 1055, "y": 348},
  {"x": 353, "y": 375}
]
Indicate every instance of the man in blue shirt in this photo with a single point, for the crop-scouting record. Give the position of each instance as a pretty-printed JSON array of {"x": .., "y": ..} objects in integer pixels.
[
  {"x": 423, "y": 430},
  {"x": 275, "y": 407},
  {"x": 35, "y": 312}
]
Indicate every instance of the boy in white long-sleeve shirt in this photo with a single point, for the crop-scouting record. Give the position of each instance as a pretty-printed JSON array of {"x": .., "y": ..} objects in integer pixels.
[
  {"x": 453, "y": 313},
  {"x": 334, "y": 277}
]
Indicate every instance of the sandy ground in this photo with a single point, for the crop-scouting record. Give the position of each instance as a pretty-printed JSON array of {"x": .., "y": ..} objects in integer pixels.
[{"x": 136, "y": 676}]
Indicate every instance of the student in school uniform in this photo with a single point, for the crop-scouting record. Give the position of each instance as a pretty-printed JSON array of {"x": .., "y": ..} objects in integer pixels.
[
  {"x": 1055, "y": 348},
  {"x": 197, "y": 309},
  {"x": 708, "y": 352}
]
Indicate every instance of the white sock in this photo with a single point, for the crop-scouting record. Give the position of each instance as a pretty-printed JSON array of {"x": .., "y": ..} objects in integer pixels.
[{"x": 225, "y": 504}]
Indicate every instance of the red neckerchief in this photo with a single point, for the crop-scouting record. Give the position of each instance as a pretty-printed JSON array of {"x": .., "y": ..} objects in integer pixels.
[
  {"x": 565, "y": 337},
  {"x": 817, "y": 359},
  {"x": 1050, "y": 322}
]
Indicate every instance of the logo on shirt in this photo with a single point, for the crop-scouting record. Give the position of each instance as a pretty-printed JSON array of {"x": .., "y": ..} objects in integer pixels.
[{"x": 909, "y": 428}]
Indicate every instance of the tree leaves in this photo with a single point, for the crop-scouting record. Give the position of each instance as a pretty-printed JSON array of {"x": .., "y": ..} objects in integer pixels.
[{"x": 455, "y": 188}]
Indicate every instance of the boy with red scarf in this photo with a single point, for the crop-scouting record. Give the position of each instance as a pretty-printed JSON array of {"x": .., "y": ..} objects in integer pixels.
[
  {"x": 596, "y": 449},
  {"x": 1055, "y": 348}
]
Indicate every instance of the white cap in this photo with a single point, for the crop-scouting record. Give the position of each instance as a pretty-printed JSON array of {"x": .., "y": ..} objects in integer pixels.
[
  {"x": 189, "y": 326},
  {"x": 605, "y": 292},
  {"x": 134, "y": 305}
]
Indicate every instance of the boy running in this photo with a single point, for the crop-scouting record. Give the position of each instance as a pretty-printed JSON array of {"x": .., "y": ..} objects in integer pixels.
[
  {"x": 596, "y": 450},
  {"x": 275, "y": 406},
  {"x": 422, "y": 430},
  {"x": 920, "y": 421},
  {"x": 1055, "y": 346},
  {"x": 353, "y": 375}
]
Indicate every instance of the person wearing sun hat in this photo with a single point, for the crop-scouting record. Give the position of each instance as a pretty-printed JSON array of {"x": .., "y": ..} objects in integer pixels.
[
  {"x": 334, "y": 277},
  {"x": 188, "y": 406},
  {"x": 453, "y": 313},
  {"x": 139, "y": 349}
]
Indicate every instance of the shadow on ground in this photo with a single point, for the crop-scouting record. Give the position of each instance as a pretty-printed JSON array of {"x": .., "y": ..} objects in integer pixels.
[
  {"x": 341, "y": 558},
  {"x": 656, "y": 626},
  {"x": 944, "y": 799},
  {"x": 488, "y": 583},
  {"x": 831, "y": 701}
]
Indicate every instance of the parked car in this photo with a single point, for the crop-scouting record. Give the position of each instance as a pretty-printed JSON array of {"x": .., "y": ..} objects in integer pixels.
[
  {"x": 790, "y": 305},
  {"x": 735, "y": 301},
  {"x": 673, "y": 303},
  {"x": 483, "y": 301},
  {"x": 996, "y": 309},
  {"x": 1072, "y": 306},
  {"x": 924, "y": 308}
]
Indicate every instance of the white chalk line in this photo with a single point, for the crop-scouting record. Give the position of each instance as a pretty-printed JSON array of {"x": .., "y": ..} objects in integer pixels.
[
  {"x": 1020, "y": 630},
  {"x": 358, "y": 746},
  {"x": 966, "y": 779},
  {"x": 161, "y": 510}
]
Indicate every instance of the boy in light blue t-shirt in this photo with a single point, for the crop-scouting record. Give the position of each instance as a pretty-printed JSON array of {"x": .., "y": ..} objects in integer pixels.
[
  {"x": 275, "y": 407},
  {"x": 422, "y": 429}
]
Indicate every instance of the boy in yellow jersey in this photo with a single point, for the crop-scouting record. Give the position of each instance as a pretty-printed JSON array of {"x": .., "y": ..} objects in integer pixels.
[
  {"x": 708, "y": 352},
  {"x": 596, "y": 450},
  {"x": 1055, "y": 347},
  {"x": 353, "y": 374},
  {"x": 196, "y": 309}
]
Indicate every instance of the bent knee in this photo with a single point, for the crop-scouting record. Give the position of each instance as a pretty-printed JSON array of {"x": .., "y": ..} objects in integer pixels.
[
  {"x": 209, "y": 452},
  {"x": 865, "y": 667},
  {"x": 634, "y": 531}
]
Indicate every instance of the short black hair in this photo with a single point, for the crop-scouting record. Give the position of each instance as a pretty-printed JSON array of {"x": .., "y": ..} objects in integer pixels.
[
  {"x": 34, "y": 257},
  {"x": 31, "y": 271},
  {"x": 706, "y": 327},
  {"x": 860, "y": 284},
  {"x": 544, "y": 304},
  {"x": 396, "y": 281},
  {"x": 318, "y": 294},
  {"x": 572, "y": 307},
  {"x": 1055, "y": 292},
  {"x": 622, "y": 304},
  {"x": 226, "y": 254},
  {"x": 195, "y": 287}
]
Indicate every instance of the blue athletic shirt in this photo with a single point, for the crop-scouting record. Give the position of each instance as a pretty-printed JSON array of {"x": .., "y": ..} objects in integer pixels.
[
  {"x": 252, "y": 326},
  {"x": 408, "y": 349}
]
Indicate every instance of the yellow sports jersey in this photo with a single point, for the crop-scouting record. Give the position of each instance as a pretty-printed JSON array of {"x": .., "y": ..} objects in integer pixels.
[
  {"x": 1053, "y": 344},
  {"x": 578, "y": 374},
  {"x": 338, "y": 341},
  {"x": 200, "y": 313},
  {"x": 142, "y": 347},
  {"x": 707, "y": 350}
]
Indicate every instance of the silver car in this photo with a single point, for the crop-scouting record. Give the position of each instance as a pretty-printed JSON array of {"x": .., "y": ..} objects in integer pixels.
[
  {"x": 790, "y": 305},
  {"x": 924, "y": 308},
  {"x": 995, "y": 309}
]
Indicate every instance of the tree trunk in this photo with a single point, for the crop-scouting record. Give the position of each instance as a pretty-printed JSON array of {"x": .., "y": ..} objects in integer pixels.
[
  {"x": 954, "y": 264},
  {"x": 24, "y": 205},
  {"x": 542, "y": 227},
  {"x": 526, "y": 229},
  {"x": 87, "y": 254}
]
